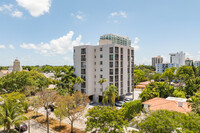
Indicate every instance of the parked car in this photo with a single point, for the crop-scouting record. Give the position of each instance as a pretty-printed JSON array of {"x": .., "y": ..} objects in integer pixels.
[
  {"x": 128, "y": 99},
  {"x": 119, "y": 103},
  {"x": 21, "y": 127}
]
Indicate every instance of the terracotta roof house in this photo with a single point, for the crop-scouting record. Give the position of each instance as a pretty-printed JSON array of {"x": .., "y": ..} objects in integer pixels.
[
  {"x": 142, "y": 85},
  {"x": 171, "y": 104}
]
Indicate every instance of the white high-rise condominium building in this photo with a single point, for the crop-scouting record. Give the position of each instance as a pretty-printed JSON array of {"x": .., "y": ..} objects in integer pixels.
[
  {"x": 177, "y": 58},
  {"x": 157, "y": 60},
  {"x": 112, "y": 59}
]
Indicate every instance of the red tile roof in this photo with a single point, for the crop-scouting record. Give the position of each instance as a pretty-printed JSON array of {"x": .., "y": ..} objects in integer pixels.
[{"x": 163, "y": 104}]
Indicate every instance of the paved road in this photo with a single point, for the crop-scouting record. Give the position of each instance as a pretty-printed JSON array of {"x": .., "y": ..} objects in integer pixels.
[{"x": 37, "y": 127}]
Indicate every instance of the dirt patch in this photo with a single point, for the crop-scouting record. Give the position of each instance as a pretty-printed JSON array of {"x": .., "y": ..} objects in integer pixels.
[{"x": 53, "y": 124}]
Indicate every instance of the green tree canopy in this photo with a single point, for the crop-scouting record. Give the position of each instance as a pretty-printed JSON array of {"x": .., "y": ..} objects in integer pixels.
[
  {"x": 164, "y": 121},
  {"x": 18, "y": 81},
  {"x": 139, "y": 76},
  {"x": 130, "y": 109},
  {"x": 168, "y": 75},
  {"x": 157, "y": 89},
  {"x": 184, "y": 73},
  {"x": 105, "y": 120},
  {"x": 109, "y": 95}
]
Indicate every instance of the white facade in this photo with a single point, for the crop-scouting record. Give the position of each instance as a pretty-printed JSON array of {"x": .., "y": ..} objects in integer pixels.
[
  {"x": 160, "y": 68},
  {"x": 177, "y": 58},
  {"x": 114, "y": 62}
]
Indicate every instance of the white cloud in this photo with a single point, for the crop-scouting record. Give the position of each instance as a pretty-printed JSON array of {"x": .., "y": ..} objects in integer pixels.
[
  {"x": 11, "y": 46},
  {"x": 79, "y": 15},
  {"x": 188, "y": 55},
  {"x": 122, "y": 14},
  {"x": 136, "y": 41},
  {"x": 17, "y": 14},
  {"x": 35, "y": 7},
  {"x": 60, "y": 46},
  {"x": 6, "y": 7},
  {"x": 2, "y": 46}
]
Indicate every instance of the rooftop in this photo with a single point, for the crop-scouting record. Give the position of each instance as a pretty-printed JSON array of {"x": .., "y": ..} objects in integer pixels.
[{"x": 164, "y": 104}]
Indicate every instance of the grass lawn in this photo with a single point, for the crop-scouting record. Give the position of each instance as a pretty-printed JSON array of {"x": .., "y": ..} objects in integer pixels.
[{"x": 53, "y": 124}]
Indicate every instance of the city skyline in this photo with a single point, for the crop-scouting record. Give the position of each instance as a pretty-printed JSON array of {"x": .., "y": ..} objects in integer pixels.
[{"x": 40, "y": 33}]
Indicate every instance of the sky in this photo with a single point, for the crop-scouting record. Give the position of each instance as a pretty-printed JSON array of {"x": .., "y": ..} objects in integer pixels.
[{"x": 40, "y": 32}]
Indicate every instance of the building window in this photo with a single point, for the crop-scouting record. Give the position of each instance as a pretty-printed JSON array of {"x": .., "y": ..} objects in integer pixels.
[
  {"x": 83, "y": 58},
  {"x": 83, "y": 64},
  {"x": 101, "y": 69},
  {"x": 121, "y": 50},
  {"x": 101, "y": 49},
  {"x": 111, "y": 79},
  {"x": 111, "y": 64},
  {"x": 101, "y": 55},
  {"x": 101, "y": 76},
  {"x": 83, "y": 51},
  {"x": 111, "y": 57},
  {"x": 101, "y": 62},
  {"x": 74, "y": 50},
  {"x": 83, "y": 71},
  {"x": 111, "y": 71},
  {"x": 111, "y": 50},
  {"x": 95, "y": 56},
  {"x": 116, "y": 50},
  {"x": 94, "y": 76},
  {"x": 94, "y": 63}
]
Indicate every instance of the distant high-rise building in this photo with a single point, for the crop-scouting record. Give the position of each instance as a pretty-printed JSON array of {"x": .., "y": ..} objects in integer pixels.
[
  {"x": 197, "y": 63},
  {"x": 17, "y": 66},
  {"x": 177, "y": 58},
  {"x": 112, "y": 59},
  {"x": 188, "y": 62},
  {"x": 157, "y": 60}
]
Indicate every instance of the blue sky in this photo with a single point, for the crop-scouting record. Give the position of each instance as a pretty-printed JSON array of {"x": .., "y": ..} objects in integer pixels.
[{"x": 41, "y": 32}]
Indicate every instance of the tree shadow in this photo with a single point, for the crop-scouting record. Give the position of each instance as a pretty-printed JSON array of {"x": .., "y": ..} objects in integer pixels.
[
  {"x": 36, "y": 116},
  {"x": 60, "y": 128}
]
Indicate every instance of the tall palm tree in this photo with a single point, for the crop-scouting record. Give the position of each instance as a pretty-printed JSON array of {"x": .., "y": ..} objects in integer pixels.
[
  {"x": 101, "y": 81},
  {"x": 11, "y": 114},
  {"x": 109, "y": 95}
]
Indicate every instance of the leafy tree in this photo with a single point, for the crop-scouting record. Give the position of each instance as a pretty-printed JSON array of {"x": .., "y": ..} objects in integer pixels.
[
  {"x": 46, "y": 98},
  {"x": 130, "y": 109},
  {"x": 61, "y": 109},
  {"x": 76, "y": 105},
  {"x": 157, "y": 89},
  {"x": 179, "y": 93},
  {"x": 164, "y": 121},
  {"x": 168, "y": 75},
  {"x": 139, "y": 76},
  {"x": 156, "y": 77},
  {"x": 18, "y": 81},
  {"x": 109, "y": 95},
  {"x": 101, "y": 81},
  {"x": 195, "y": 102},
  {"x": 105, "y": 120},
  {"x": 66, "y": 82},
  {"x": 192, "y": 85},
  {"x": 12, "y": 109},
  {"x": 185, "y": 72}
]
